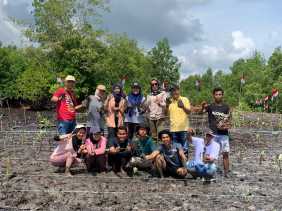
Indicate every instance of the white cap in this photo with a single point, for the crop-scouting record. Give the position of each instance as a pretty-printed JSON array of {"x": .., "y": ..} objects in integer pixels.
[
  {"x": 64, "y": 136},
  {"x": 70, "y": 78},
  {"x": 80, "y": 126}
]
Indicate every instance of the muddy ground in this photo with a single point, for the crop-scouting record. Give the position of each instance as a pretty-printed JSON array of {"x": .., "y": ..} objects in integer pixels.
[{"x": 28, "y": 182}]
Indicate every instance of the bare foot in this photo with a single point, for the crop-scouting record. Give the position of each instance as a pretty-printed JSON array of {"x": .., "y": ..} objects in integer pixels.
[{"x": 68, "y": 173}]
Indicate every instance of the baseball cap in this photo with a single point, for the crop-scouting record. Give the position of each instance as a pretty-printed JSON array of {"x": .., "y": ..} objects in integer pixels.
[
  {"x": 135, "y": 84},
  {"x": 209, "y": 132},
  {"x": 143, "y": 126},
  {"x": 101, "y": 87},
  {"x": 70, "y": 78}
]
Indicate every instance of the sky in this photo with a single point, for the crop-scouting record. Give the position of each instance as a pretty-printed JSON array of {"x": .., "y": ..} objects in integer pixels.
[{"x": 202, "y": 33}]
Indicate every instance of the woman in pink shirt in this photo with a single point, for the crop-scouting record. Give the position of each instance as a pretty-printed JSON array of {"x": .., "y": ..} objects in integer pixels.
[
  {"x": 69, "y": 150},
  {"x": 95, "y": 158}
]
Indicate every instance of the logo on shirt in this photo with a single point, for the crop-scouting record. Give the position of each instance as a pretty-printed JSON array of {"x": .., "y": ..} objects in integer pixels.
[
  {"x": 221, "y": 118},
  {"x": 69, "y": 103}
]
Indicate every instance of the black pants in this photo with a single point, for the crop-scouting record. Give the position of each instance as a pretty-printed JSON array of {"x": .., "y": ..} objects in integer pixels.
[
  {"x": 118, "y": 161},
  {"x": 131, "y": 127},
  {"x": 96, "y": 163}
]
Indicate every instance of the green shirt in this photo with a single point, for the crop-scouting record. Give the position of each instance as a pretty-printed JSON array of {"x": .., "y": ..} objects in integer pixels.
[{"x": 144, "y": 147}]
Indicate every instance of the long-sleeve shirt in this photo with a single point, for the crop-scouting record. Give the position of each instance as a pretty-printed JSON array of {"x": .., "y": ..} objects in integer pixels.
[
  {"x": 156, "y": 111},
  {"x": 96, "y": 148},
  {"x": 111, "y": 114},
  {"x": 95, "y": 117}
]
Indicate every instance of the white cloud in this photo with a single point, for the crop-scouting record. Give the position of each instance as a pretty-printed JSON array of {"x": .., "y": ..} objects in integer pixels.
[
  {"x": 11, "y": 33},
  {"x": 4, "y": 2},
  {"x": 241, "y": 42},
  {"x": 216, "y": 57}
]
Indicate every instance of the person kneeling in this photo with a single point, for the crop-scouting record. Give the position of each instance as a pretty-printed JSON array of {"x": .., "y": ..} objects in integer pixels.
[
  {"x": 169, "y": 158},
  {"x": 199, "y": 145},
  {"x": 207, "y": 169},
  {"x": 120, "y": 151},
  {"x": 69, "y": 150},
  {"x": 95, "y": 158},
  {"x": 142, "y": 147}
]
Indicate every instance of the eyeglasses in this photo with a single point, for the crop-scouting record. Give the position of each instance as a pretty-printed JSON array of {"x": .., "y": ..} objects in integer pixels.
[{"x": 154, "y": 84}]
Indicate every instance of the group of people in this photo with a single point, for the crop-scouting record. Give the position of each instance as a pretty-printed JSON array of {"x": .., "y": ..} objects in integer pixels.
[{"x": 137, "y": 138}]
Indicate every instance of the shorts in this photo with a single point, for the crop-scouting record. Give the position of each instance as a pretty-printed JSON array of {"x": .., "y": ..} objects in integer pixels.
[
  {"x": 223, "y": 141},
  {"x": 66, "y": 127}
]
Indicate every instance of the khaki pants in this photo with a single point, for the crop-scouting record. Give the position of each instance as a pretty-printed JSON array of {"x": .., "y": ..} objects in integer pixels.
[{"x": 156, "y": 126}]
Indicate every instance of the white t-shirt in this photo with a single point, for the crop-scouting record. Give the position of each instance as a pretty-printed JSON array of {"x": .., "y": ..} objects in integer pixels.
[
  {"x": 199, "y": 146},
  {"x": 212, "y": 150}
]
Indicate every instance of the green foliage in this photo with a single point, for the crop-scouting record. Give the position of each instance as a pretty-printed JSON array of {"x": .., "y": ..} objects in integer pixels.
[
  {"x": 68, "y": 41},
  {"x": 258, "y": 73},
  {"x": 12, "y": 63},
  {"x": 165, "y": 66},
  {"x": 34, "y": 83},
  {"x": 275, "y": 62}
]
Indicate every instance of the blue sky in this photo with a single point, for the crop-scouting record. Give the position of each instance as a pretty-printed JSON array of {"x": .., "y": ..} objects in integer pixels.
[{"x": 202, "y": 33}]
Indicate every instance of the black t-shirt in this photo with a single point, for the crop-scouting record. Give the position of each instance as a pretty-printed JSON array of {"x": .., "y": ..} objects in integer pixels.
[
  {"x": 123, "y": 145},
  {"x": 217, "y": 114},
  {"x": 171, "y": 155}
]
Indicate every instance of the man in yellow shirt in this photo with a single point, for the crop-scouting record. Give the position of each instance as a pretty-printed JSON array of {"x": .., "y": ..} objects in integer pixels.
[{"x": 178, "y": 109}]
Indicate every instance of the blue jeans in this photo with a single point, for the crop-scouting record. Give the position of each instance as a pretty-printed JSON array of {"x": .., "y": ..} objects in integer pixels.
[
  {"x": 180, "y": 138},
  {"x": 191, "y": 165},
  {"x": 206, "y": 170},
  {"x": 66, "y": 127}
]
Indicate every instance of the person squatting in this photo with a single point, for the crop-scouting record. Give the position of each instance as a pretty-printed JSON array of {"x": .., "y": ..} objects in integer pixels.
[{"x": 138, "y": 139}]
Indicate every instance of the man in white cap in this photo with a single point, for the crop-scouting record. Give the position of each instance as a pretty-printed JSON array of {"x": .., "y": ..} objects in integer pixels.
[
  {"x": 208, "y": 168},
  {"x": 67, "y": 105}
]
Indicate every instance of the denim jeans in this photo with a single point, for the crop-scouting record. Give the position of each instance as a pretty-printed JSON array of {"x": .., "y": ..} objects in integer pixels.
[
  {"x": 111, "y": 133},
  {"x": 66, "y": 127},
  {"x": 180, "y": 138},
  {"x": 191, "y": 165},
  {"x": 206, "y": 170}
]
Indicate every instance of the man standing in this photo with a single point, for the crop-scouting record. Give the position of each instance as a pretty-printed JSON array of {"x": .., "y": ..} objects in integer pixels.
[
  {"x": 156, "y": 106},
  {"x": 66, "y": 106},
  {"x": 219, "y": 122},
  {"x": 96, "y": 110},
  {"x": 178, "y": 110}
]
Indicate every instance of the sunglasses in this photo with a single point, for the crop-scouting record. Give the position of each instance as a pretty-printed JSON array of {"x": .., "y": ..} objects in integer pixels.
[{"x": 154, "y": 84}]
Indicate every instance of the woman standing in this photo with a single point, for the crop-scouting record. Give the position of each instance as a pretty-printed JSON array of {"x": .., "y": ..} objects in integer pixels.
[
  {"x": 115, "y": 106},
  {"x": 135, "y": 109}
]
